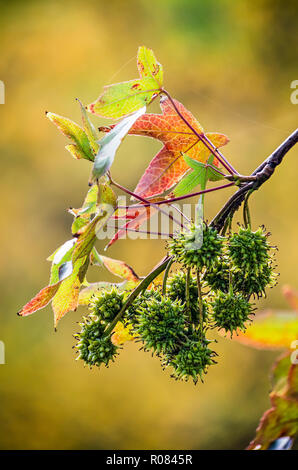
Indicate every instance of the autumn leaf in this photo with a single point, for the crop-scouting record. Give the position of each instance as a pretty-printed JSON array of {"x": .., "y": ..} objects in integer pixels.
[
  {"x": 136, "y": 217},
  {"x": 40, "y": 301},
  {"x": 282, "y": 418},
  {"x": 168, "y": 166},
  {"x": 124, "y": 98},
  {"x": 121, "y": 334},
  {"x": 271, "y": 330},
  {"x": 80, "y": 148},
  {"x": 117, "y": 267}
]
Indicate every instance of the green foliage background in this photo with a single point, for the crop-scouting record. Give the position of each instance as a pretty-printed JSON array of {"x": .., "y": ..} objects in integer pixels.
[{"x": 231, "y": 64}]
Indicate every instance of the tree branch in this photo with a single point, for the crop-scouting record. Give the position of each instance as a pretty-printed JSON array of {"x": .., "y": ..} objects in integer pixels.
[{"x": 261, "y": 174}]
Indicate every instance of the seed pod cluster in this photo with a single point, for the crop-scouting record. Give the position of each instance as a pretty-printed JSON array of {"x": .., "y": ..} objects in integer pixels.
[{"x": 212, "y": 290}]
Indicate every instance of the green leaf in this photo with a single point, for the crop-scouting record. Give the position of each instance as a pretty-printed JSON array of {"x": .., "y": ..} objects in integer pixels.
[
  {"x": 86, "y": 240},
  {"x": 148, "y": 66},
  {"x": 81, "y": 147},
  {"x": 211, "y": 173},
  {"x": 67, "y": 296},
  {"x": 187, "y": 184},
  {"x": 106, "y": 195},
  {"x": 89, "y": 129},
  {"x": 84, "y": 213},
  {"x": 110, "y": 143},
  {"x": 124, "y": 98}
]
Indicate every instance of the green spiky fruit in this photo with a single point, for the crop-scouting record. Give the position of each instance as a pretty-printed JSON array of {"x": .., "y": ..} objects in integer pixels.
[
  {"x": 255, "y": 283},
  {"x": 161, "y": 324},
  {"x": 249, "y": 251},
  {"x": 218, "y": 277},
  {"x": 135, "y": 309},
  {"x": 192, "y": 360},
  {"x": 197, "y": 248},
  {"x": 231, "y": 311},
  {"x": 176, "y": 290},
  {"x": 107, "y": 304},
  {"x": 176, "y": 287},
  {"x": 93, "y": 347}
]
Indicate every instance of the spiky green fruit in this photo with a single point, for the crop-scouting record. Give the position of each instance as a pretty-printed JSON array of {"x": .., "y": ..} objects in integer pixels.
[
  {"x": 192, "y": 360},
  {"x": 135, "y": 309},
  {"x": 197, "y": 247},
  {"x": 231, "y": 311},
  {"x": 93, "y": 347},
  {"x": 252, "y": 283},
  {"x": 107, "y": 304},
  {"x": 218, "y": 277},
  {"x": 161, "y": 324},
  {"x": 176, "y": 290},
  {"x": 250, "y": 251}
]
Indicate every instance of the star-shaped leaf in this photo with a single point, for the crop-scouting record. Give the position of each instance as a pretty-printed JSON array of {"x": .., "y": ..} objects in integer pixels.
[{"x": 168, "y": 166}]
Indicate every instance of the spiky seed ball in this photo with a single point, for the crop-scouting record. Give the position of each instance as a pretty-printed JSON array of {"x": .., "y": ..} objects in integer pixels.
[
  {"x": 249, "y": 251},
  {"x": 218, "y": 277},
  {"x": 107, "y": 304},
  {"x": 176, "y": 290},
  {"x": 197, "y": 248},
  {"x": 93, "y": 347},
  {"x": 231, "y": 311},
  {"x": 252, "y": 283},
  {"x": 135, "y": 309},
  {"x": 192, "y": 359},
  {"x": 161, "y": 324},
  {"x": 176, "y": 287}
]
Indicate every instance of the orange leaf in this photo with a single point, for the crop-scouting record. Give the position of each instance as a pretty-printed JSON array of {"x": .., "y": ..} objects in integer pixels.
[
  {"x": 271, "y": 330},
  {"x": 40, "y": 300},
  {"x": 168, "y": 166},
  {"x": 119, "y": 268}
]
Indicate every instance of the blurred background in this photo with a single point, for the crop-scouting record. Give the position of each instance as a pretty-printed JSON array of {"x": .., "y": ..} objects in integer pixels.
[{"x": 231, "y": 63}]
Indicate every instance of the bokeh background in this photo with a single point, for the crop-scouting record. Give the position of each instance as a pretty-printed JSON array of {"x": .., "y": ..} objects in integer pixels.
[{"x": 231, "y": 63}]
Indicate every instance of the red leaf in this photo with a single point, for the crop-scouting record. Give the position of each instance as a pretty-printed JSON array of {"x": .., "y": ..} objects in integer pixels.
[
  {"x": 168, "y": 166},
  {"x": 40, "y": 300},
  {"x": 137, "y": 218}
]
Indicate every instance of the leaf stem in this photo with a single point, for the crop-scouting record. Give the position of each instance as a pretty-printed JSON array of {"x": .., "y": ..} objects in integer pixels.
[
  {"x": 165, "y": 277},
  {"x": 180, "y": 198},
  {"x": 148, "y": 232},
  {"x": 145, "y": 201}
]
